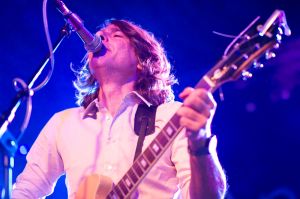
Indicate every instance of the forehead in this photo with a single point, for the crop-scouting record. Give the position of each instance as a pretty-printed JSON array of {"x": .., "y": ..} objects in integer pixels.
[{"x": 110, "y": 28}]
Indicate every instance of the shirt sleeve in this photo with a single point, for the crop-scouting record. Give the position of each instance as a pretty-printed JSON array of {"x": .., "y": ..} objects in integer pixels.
[
  {"x": 181, "y": 159},
  {"x": 44, "y": 165}
]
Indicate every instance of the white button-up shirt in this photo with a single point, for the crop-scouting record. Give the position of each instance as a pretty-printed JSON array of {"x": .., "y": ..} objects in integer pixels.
[{"x": 78, "y": 142}]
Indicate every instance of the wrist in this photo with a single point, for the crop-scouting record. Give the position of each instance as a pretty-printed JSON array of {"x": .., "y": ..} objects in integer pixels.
[{"x": 203, "y": 146}]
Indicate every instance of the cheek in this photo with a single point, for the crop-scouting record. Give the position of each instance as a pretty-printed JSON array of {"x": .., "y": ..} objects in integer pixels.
[
  {"x": 126, "y": 54},
  {"x": 132, "y": 56}
]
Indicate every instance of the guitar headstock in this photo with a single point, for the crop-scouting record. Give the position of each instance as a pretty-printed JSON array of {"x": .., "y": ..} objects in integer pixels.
[{"x": 247, "y": 49}]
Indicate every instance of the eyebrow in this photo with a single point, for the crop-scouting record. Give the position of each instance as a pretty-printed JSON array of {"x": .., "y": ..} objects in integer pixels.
[{"x": 115, "y": 29}]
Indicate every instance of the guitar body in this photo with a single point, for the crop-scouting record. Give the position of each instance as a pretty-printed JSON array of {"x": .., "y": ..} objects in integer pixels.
[{"x": 94, "y": 187}]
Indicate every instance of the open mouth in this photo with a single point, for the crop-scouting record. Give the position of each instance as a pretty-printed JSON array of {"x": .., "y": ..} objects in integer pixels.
[{"x": 101, "y": 52}]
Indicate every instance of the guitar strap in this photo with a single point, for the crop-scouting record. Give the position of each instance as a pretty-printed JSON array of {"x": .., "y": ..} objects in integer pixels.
[{"x": 144, "y": 124}]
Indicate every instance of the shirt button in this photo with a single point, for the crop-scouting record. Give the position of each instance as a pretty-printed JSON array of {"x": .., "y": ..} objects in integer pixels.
[{"x": 109, "y": 167}]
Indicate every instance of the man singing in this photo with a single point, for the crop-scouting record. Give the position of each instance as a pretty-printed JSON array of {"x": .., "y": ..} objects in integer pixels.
[{"x": 98, "y": 137}]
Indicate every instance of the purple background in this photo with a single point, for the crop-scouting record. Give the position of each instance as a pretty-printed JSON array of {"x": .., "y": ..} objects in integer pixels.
[{"x": 257, "y": 124}]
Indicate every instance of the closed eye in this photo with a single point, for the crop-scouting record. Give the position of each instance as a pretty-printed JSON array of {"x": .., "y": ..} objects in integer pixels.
[{"x": 117, "y": 35}]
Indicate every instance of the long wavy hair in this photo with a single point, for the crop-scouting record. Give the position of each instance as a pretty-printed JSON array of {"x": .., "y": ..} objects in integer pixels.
[{"x": 155, "y": 78}]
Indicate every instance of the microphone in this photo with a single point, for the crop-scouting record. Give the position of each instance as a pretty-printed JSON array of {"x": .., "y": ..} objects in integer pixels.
[{"x": 92, "y": 43}]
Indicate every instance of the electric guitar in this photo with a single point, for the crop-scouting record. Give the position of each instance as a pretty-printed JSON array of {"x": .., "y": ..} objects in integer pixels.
[{"x": 254, "y": 42}]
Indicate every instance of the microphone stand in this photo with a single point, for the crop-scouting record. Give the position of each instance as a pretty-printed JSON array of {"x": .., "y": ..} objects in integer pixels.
[{"x": 8, "y": 143}]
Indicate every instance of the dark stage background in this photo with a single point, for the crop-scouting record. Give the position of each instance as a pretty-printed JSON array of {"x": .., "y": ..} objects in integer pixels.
[{"x": 257, "y": 124}]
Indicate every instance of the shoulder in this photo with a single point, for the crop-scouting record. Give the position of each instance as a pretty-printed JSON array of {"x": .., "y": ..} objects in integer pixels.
[
  {"x": 61, "y": 119},
  {"x": 67, "y": 114},
  {"x": 70, "y": 112}
]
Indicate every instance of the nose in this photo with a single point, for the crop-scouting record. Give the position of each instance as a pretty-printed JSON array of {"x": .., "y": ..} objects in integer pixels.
[{"x": 102, "y": 35}]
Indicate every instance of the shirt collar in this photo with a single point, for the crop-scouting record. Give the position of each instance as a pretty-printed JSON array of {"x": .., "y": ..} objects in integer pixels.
[{"x": 92, "y": 109}]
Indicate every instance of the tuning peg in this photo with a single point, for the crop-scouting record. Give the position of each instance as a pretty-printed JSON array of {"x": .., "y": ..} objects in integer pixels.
[
  {"x": 270, "y": 55},
  {"x": 276, "y": 46},
  {"x": 245, "y": 56},
  {"x": 257, "y": 64},
  {"x": 280, "y": 31},
  {"x": 246, "y": 75},
  {"x": 278, "y": 37}
]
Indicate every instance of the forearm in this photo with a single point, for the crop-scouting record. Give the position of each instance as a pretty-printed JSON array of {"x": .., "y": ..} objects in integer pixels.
[
  {"x": 31, "y": 183},
  {"x": 43, "y": 168},
  {"x": 208, "y": 180}
]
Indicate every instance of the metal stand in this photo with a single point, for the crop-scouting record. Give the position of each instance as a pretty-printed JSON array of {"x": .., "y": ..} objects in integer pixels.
[{"x": 8, "y": 142}]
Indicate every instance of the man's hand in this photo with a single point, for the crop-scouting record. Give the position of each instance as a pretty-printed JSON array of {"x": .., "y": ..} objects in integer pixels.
[
  {"x": 207, "y": 177},
  {"x": 196, "y": 113}
]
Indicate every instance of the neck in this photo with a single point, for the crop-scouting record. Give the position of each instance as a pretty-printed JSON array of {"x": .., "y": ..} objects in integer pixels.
[
  {"x": 114, "y": 86},
  {"x": 111, "y": 94}
]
